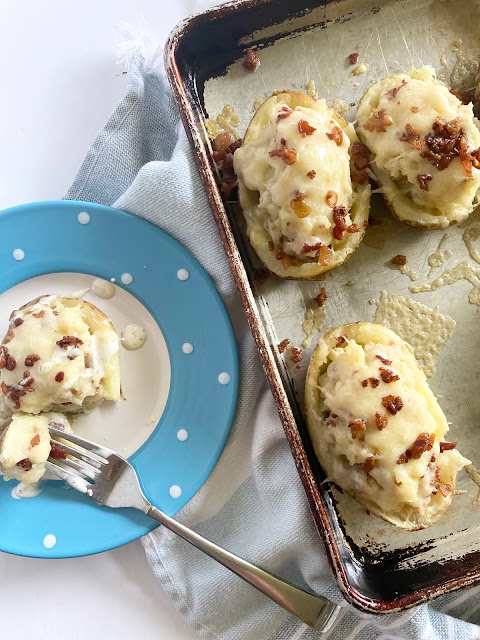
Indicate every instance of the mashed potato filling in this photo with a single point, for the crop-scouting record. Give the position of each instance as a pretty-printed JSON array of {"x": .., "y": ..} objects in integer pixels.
[
  {"x": 421, "y": 136},
  {"x": 300, "y": 167},
  {"x": 379, "y": 431}
]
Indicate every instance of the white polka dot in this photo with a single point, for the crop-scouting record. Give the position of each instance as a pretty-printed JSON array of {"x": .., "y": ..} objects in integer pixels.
[
  {"x": 127, "y": 278},
  {"x": 49, "y": 541},
  {"x": 182, "y": 435},
  {"x": 187, "y": 348},
  {"x": 224, "y": 378},
  {"x": 112, "y": 280},
  {"x": 182, "y": 274},
  {"x": 175, "y": 491},
  {"x": 18, "y": 254},
  {"x": 83, "y": 217}
]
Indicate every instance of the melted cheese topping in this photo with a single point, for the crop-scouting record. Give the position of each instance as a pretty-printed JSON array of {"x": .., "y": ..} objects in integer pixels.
[
  {"x": 451, "y": 190},
  {"x": 279, "y": 183},
  {"x": 74, "y": 376},
  {"x": 391, "y": 486}
]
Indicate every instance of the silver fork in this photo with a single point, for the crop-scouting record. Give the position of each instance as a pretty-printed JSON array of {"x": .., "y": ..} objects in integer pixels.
[{"x": 110, "y": 480}]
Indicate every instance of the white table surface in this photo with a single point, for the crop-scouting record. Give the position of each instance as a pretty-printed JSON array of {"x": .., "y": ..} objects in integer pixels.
[{"x": 60, "y": 82}]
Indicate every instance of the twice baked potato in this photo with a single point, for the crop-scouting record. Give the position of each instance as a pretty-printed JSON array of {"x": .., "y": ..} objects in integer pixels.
[
  {"x": 425, "y": 146},
  {"x": 305, "y": 212},
  {"x": 377, "y": 428},
  {"x": 59, "y": 354}
]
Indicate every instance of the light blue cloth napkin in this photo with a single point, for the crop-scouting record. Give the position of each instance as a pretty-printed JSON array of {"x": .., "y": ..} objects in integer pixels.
[{"x": 253, "y": 503}]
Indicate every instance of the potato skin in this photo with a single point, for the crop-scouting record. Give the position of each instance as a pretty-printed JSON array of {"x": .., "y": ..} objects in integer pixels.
[{"x": 258, "y": 236}]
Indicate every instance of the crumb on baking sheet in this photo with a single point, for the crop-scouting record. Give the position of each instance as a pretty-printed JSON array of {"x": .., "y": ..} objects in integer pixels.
[
  {"x": 462, "y": 271},
  {"x": 283, "y": 345},
  {"x": 438, "y": 258},
  {"x": 228, "y": 120},
  {"x": 311, "y": 91},
  {"x": 359, "y": 69}
]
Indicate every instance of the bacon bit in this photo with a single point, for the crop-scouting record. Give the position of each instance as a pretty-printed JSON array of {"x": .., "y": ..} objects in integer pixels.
[
  {"x": 433, "y": 458},
  {"x": 222, "y": 141},
  {"x": 271, "y": 246},
  {"x": 284, "y": 112},
  {"x": 35, "y": 441},
  {"x": 322, "y": 296},
  {"x": 236, "y": 144},
  {"x": 356, "y": 427},
  {"x": 353, "y": 228},
  {"x": 414, "y": 109},
  {"x": 60, "y": 376},
  {"x": 360, "y": 154},
  {"x": 69, "y": 341},
  {"x": 25, "y": 464},
  {"x": 339, "y": 214},
  {"x": 368, "y": 464},
  {"x": 9, "y": 336},
  {"x": 388, "y": 376},
  {"x": 402, "y": 459},
  {"x": 380, "y": 420},
  {"x": 27, "y": 381},
  {"x": 447, "y": 142},
  {"x": 227, "y": 186},
  {"x": 301, "y": 209},
  {"x": 341, "y": 340},
  {"x": 283, "y": 345},
  {"x": 353, "y": 58},
  {"x": 422, "y": 179},
  {"x": 31, "y": 359},
  {"x": 305, "y": 129},
  {"x": 331, "y": 198},
  {"x": 296, "y": 354},
  {"x": 424, "y": 442},
  {"x": 289, "y": 156},
  {"x": 251, "y": 61},
  {"x": 438, "y": 485},
  {"x": 283, "y": 142},
  {"x": 311, "y": 174},
  {"x": 384, "y": 360},
  {"x": 7, "y": 361},
  {"x": 289, "y": 261},
  {"x": 364, "y": 383},
  {"x": 447, "y": 446},
  {"x": 261, "y": 275},
  {"x": 393, "y": 404},
  {"x": 308, "y": 248},
  {"x": 359, "y": 178},
  {"x": 324, "y": 256},
  {"x": 39, "y": 314},
  {"x": 374, "y": 382},
  {"x": 57, "y": 451},
  {"x": 280, "y": 255},
  {"x": 378, "y": 121},
  {"x": 400, "y": 260},
  {"x": 13, "y": 394},
  {"x": 395, "y": 90},
  {"x": 18, "y": 322},
  {"x": 336, "y": 135},
  {"x": 411, "y": 136}
]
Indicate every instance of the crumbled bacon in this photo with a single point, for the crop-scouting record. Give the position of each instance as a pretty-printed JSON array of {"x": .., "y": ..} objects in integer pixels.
[
  {"x": 356, "y": 427},
  {"x": 438, "y": 485},
  {"x": 288, "y": 261},
  {"x": 368, "y": 464},
  {"x": 13, "y": 394},
  {"x": 57, "y": 451},
  {"x": 353, "y": 228},
  {"x": 25, "y": 464},
  {"x": 7, "y": 361},
  {"x": 414, "y": 109},
  {"x": 364, "y": 383},
  {"x": 400, "y": 260},
  {"x": 447, "y": 142},
  {"x": 331, "y": 198},
  {"x": 341, "y": 340},
  {"x": 296, "y": 354},
  {"x": 384, "y": 360},
  {"x": 9, "y": 336},
  {"x": 227, "y": 186},
  {"x": 222, "y": 141},
  {"x": 39, "y": 314},
  {"x": 447, "y": 446},
  {"x": 322, "y": 296},
  {"x": 27, "y": 381},
  {"x": 289, "y": 156},
  {"x": 251, "y": 61},
  {"x": 336, "y": 135},
  {"x": 424, "y": 442},
  {"x": 423, "y": 179},
  {"x": 388, "y": 376},
  {"x": 283, "y": 345},
  {"x": 395, "y": 90},
  {"x": 31, "y": 359},
  {"x": 69, "y": 341},
  {"x": 301, "y": 209},
  {"x": 353, "y": 58},
  {"x": 311, "y": 174},
  {"x": 360, "y": 153},
  {"x": 359, "y": 178},
  {"x": 280, "y": 255},
  {"x": 378, "y": 121},
  {"x": 35, "y": 440},
  {"x": 308, "y": 248},
  {"x": 271, "y": 246},
  {"x": 340, "y": 225},
  {"x": 18, "y": 322},
  {"x": 411, "y": 136},
  {"x": 374, "y": 382},
  {"x": 284, "y": 112},
  {"x": 393, "y": 404},
  {"x": 381, "y": 420},
  {"x": 324, "y": 256},
  {"x": 261, "y": 275},
  {"x": 305, "y": 129},
  {"x": 402, "y": 459},
  {"x": 233, "y": 146},
  {"x": 60, "y": 376}
]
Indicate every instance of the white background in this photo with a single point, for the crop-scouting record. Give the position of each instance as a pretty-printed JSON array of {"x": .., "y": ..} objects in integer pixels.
[{"x": 59, "y": 83}]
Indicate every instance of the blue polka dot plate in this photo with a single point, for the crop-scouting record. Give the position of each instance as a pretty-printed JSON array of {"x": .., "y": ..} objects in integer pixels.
[{"x": 180, "y": 386}]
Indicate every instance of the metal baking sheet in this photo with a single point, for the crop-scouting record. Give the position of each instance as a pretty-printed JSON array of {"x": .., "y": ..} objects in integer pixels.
[{"x": 313, "y": 44}]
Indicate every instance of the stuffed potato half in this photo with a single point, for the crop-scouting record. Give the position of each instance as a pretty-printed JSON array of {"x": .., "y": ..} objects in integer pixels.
[
  {"x": 426, "y": 148},
  {"x": 377, "y": 428},
  {"x": 304, "y": 199}
]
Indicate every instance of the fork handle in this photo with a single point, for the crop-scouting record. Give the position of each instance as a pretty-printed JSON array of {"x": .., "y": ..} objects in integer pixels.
[{"x": 315, "y": 611}]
